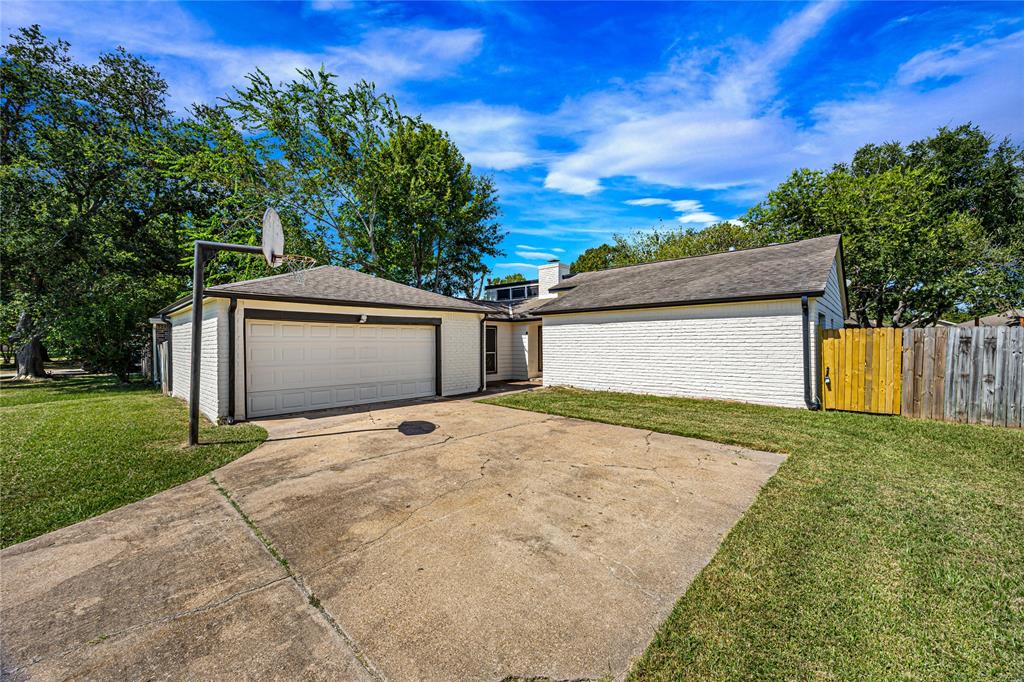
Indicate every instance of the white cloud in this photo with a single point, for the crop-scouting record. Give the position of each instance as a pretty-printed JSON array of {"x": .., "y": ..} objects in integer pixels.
[
  {"x": 715, "y": 119},
  {"x": 956, "y": 59},
  {"x": 537, "y": 255},
  {"x": 497, "y": 137},
  {"x": 331, "y": 5},
  {"x": 691, "y": 211},
  {"x": 515, "y": 266},
  {"x": 697, "y": 125},
  {"x": 199, "y": 67},
  {"x": 527, "y": 247}
]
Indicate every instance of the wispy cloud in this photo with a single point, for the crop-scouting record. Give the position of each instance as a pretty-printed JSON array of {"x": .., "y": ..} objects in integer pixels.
[
  {"x": 716, "y": 120},
  {"x": 496, "y": 137},
  {"x": 691, "y": 211},
  {"x": 527, "y": 247},
  {"x": 515, "y": 266},
  {"x": 538, "y": 255},
  {"x": 200, "y": 67}
]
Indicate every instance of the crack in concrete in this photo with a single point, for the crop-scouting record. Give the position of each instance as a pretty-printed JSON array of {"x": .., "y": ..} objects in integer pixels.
[
  {"x": 149, "y": 623},
  {"x": 350, "y": 644},
  {"x": 390, "y": 530},
  {"x": 584, "y": 465},
  {"x": 369, "y": 458},
  {"x": 635, "y": 583}
]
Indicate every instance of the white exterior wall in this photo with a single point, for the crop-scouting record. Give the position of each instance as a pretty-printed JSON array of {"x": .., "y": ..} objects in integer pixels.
[
  {"x": 213, "y": 378},
  {"x": 513, "y": 351},
  {"x": 831, "y": 303},
  {"x": 750, "y": 352},
  {"x": 460, "y": 343}
]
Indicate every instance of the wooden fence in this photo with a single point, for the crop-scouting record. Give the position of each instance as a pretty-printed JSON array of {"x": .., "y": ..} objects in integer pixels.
[
  {"x": 970, "y": 375},
  {"x": 963, "y": 374},
  {"x": 861, "y": 370}
]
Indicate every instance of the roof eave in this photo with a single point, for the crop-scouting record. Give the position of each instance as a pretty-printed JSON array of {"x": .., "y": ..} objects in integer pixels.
[
  {"x": 681, "y": 304},
  {"x": 213, "y": 293}
]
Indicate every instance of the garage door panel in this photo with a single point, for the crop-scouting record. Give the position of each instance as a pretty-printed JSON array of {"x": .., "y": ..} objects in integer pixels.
[{"x": 291, "y": 366}]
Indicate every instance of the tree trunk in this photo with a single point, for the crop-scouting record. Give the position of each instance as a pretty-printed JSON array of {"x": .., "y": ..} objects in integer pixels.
[{"x": 30, "y": 360}]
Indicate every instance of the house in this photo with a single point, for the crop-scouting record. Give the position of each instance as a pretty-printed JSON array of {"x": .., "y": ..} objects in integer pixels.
[
  {"x": 740, "y": 325},
  {"x": 1008, "y": 318}
]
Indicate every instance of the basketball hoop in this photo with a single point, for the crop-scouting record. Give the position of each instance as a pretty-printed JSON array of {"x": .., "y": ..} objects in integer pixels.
[{"x": 296, "y": 265}]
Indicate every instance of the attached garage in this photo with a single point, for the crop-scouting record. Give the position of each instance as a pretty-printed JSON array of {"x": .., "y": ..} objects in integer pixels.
[
  {"x": 294, "y": 366},
  {"x": 334, "y": 338}
]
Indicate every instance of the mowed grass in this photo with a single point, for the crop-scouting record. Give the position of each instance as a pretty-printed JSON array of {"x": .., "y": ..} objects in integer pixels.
[
  {"x": 75, "y": 447},
  {"x": 884, "y": 548}
]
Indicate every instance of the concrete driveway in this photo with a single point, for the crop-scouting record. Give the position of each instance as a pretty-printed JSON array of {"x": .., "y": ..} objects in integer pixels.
[{"x": 428, "y": 541}]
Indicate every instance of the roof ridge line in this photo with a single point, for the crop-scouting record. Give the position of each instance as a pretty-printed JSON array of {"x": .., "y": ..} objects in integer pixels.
[
  {"x": 221, "y": 287},
  {"x": 705, "y": 255}
]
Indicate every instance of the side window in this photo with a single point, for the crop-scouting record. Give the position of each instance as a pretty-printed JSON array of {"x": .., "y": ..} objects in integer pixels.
[
  {"x": 504, "y": 294},
  {"x": 491, "y": 350}
]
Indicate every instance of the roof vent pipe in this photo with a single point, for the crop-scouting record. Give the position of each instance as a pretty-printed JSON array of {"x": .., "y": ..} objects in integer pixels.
[{"x": 809, "y": 399}]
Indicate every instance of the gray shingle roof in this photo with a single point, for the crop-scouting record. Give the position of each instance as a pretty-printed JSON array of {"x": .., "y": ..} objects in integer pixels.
[
  {"x": 521, "y": 310},
  {"x": 333, "y": 284},
  {"x": 778, "y": 271}
]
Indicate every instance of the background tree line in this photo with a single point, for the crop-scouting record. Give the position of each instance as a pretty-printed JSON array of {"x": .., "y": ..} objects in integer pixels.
[
  {"x": 930, "y": 230},
  {"x": 103, "y": 190}
]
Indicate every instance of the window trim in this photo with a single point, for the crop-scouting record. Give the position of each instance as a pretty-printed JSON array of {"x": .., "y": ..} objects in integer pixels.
[{"x": 488, "y": 331}]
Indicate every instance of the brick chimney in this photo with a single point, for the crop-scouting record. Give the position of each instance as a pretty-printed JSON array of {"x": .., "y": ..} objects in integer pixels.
[{"x": 548, "y": 275}]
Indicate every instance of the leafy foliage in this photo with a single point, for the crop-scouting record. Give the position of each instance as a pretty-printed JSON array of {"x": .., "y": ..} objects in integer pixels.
[
  {"x": 507, "y": 279},
  {"x": 383, "y": 192},
  {"x": 78, "y": 148}
]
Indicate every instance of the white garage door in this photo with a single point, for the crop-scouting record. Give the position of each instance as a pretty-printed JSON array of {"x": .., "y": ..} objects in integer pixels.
[{"x": 298, "y": 366}]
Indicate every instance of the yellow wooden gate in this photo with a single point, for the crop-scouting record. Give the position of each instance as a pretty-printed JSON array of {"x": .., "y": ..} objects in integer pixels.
[{"x": 861, "y": 369}]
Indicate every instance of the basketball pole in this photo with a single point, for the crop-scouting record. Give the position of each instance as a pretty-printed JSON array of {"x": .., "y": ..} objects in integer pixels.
[{"x": 204, "y": 252}]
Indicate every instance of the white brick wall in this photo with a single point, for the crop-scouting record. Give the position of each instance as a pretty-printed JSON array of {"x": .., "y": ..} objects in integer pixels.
[
  {"x": 548, "y": 275},
  {"x": 750, "y": 352},
  {"x": 213, "y": 379}
]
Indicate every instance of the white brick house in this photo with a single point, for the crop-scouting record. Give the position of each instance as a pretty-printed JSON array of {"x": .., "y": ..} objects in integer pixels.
[{"x": 737, "y": 326}]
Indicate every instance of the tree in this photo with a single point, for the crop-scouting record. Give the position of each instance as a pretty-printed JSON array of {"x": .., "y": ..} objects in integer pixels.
[
  {"x": 598, "y": 258},
  {"x": 906, "y": 263},
  {"x": 78, "y": 146},
  {"x": 507, "y": 279},
  {"x": 325, "y": 143},
  {"x": 440, "y": 215},
  {"x": 661, "y": 244},
  {"x": 977, "y": 177},
  {"x": 233, "y": 186},
  {"x": 391, "y": 194}
]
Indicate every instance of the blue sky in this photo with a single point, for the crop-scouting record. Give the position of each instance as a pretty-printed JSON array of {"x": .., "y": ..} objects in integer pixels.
[{"x": 604, "y": 118}]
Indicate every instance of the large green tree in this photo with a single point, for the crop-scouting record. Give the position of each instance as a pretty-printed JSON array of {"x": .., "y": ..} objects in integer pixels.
[
  {"x": 662, "y": 244},
  {"x": 89, "y": 221},
  {"x": 906, "y": 263},
  {"x": 390, "y": 194},
  {"x": 440, "y": 215}
]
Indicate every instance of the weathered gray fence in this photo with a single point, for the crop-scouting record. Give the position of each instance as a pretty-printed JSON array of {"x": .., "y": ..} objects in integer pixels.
[{"x": 964, "y": 374}]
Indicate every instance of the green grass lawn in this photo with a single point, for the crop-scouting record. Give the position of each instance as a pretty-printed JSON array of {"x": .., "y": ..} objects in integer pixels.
[
  {"x": 883, "y": 548},
  {"x": 75, "y": 447}
]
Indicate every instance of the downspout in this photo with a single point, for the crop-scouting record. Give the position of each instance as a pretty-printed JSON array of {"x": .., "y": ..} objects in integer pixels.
[
  {"x": 232, "y": 307},
  {"x": 483, "y": 323},
  {"x": 170, "y": 354},
  {"x": 809, "y": 399}
]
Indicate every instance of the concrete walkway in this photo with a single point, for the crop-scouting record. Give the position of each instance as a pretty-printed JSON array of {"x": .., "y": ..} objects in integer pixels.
[{"x": 427, "y": 541}]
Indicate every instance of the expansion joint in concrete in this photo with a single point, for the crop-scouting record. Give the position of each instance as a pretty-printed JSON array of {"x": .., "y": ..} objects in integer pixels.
[{"x": 300, "y": 585}]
